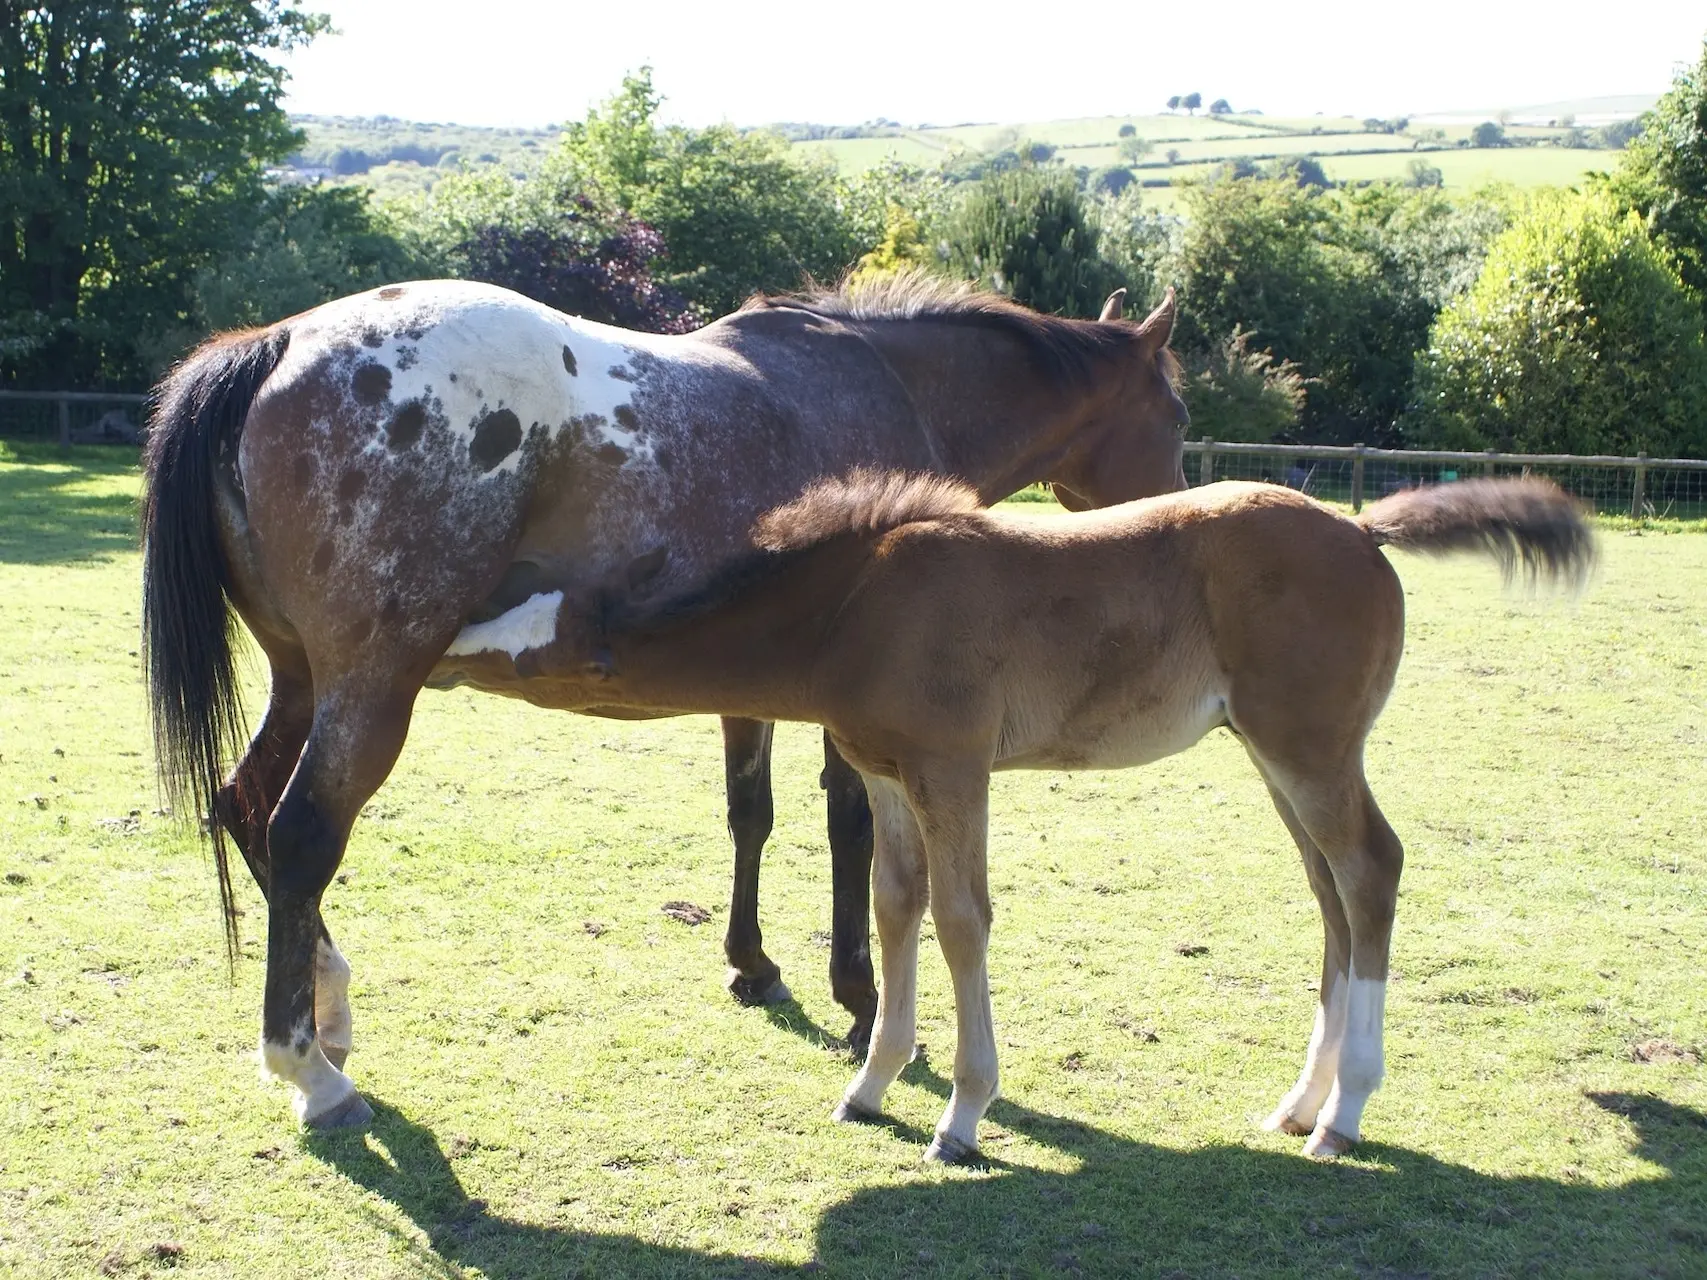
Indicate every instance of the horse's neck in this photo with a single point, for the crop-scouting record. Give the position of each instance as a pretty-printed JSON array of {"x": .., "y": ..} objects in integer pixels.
[
  {"x": 755, "y": 654},
  {"x": 991, "y": 416}
]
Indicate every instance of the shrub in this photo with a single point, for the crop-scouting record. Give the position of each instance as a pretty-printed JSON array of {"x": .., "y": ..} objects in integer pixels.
[
  {"x": 1027, "y": 233},
  {"x": 1236, "y": 393},
  {"x": 1578, "y": 337}
]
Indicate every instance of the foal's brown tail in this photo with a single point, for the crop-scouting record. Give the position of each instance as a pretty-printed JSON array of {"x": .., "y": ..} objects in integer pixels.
[
  {"x": 1528, "y": 522},
  {"x": 186, "y": 618}
]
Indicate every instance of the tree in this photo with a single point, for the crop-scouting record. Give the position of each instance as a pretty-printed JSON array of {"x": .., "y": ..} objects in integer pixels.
[
  {"x": 1132, "y": 150},
  {"x": 1191, "y": 102},
  {"x": 1127, "y": 130},
  {"x": 1420, "y": 173},
  {"x": 1487, "y": 134},
  {"x": 1220, "y": 107},
  {"x": 1173, "y": 155},
  {"x": 1027, "y": 233},
  {"x": 902, "y": 248},
  {"x": 132, "y": 144},
  {"x": 1663, "y": 173},
  {"x": 1578, "y": 337},
  {"x": 1238, "y": 393},
  {"x": 598, "y": 271},
  {"x": 1173, "y": 103},
  {"x": 1112, "y": 180}
]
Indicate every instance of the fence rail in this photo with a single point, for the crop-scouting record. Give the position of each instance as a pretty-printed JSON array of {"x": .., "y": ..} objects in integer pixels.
[
  {"x": 63, "y": 415},
  {"x": 1641, "y": 486}
]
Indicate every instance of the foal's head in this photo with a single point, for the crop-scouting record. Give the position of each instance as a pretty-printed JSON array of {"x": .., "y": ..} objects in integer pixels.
[{"x": 1132, "y": 445}]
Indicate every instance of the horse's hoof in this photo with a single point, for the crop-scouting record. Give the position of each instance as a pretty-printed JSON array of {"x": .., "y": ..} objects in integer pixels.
[
  {"x": 766, "y": 989},
  {"x": 847, "y": 1113},
  {"x": 336, "y": 1054},
  {"x": 1325, "y": 1144},
  {"x": 1283, "y": 1121},
  {"x": 352, "y": 1113},
  {"x": 947, "y": 1149}
]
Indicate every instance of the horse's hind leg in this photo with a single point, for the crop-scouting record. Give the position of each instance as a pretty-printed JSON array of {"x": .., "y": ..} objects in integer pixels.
[
  {"x": 851, "y": 980},
  {"x": 754, "y": 977},
  {"x": 245, "y": 804},
  {"x": 1364, "y": 858},
  {"x": 901, "y": 888},
  {"x": 356, "y": 736},
  {"x": 1297, "y": 1111}
]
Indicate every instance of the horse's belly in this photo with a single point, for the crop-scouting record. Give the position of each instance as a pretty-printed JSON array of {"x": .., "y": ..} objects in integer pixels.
[{"x": 1125, "y": 742}]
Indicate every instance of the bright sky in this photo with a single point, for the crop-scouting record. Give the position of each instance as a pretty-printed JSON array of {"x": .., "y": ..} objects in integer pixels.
[{"x": 537, "y": 62}]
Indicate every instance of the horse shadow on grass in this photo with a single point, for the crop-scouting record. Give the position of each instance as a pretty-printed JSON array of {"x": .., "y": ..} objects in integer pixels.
[
  {"x": 44, "y": 517},
  {"x": 1128, "y": 1208}
]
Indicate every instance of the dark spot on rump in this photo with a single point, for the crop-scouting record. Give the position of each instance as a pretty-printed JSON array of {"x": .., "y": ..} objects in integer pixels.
[
  {"x": 323, "y": 557},
  {"x": 496, "y": 437},
  {"x": 392, "y": 611},
  {"x": 644, "y": 568},
  {"x": 621, "y": 372},
  {"x": 453, "y": 377},
  {"x": 372, "y": 383},
  {"x": 612, "y": 454},
  {"x": 569, "y": 361},
  {"x": 304, "y": 471},
  {"x": 391, "y": 293},
  {"x": 407, "y": 358},
  {"x": 351, "y": 486},
  {"x": 372, "y": 337},
  {"x": 626, "y": 418},
  {"x": 664, "y": 458},
  {"x": 360, "y": 631},
  {"x": 406, "y": 425},
  {"x": 415, "y": 332},
  {"x": 346, "y": 513}
]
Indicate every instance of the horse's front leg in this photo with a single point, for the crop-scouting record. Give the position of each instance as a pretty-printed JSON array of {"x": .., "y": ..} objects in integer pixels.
[
  {"x": 849, "y": 812},
  {"x": 753, "y": 977}
]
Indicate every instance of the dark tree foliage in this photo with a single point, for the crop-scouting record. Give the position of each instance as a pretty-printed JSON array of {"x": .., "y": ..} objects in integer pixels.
[
  {"x": 1487, "y": 134},
  {"x": 584, "y": 266},
  {"x": 132, "y": 143},
  {"x": 1028, "y": 234}
]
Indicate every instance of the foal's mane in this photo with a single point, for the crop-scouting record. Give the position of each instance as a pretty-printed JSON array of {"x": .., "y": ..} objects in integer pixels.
[
  {"x": 858, "y": 507},
  {"x": 1066, "y": 348}
]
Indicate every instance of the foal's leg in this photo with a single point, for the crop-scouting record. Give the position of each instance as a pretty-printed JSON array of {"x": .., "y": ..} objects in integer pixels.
[
  {"x": 753, "y": 977},
  {"x": 1297, "y": 1111},
  {"x": 953, "y": 811},
  {"x": 901, "y": 888},
  {"x": 355, "y": 739},
  {"x": 1365, "y": 859},
  {"x": 851, "y": 980},
  {"x": 243, "y": 807}
]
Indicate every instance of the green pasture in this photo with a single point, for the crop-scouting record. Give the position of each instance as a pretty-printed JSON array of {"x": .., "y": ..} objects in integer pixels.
[
  {"x": 564, "y": 1088},
  {"x": 1520, "y": 166}
]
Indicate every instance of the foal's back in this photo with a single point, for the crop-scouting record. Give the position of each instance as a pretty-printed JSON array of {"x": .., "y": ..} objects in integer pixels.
[{"x": 1113, "y": 638}]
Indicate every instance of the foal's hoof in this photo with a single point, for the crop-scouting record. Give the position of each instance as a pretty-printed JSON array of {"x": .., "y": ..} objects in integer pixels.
[
  {"x": 352, "y": 1113},
  {"x": 1326, "y": 1144},
  {"x": 847, "y": 1113},
  {"x": 336, "y": 1054},
  {"x": 947, "y": 1149},
  {"x": 767, "y": 988},
  {"x": 1283, "y": 1121}
]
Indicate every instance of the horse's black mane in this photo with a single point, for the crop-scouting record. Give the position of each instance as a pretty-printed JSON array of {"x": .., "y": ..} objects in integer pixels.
[{"x": 1066, "y": 348}]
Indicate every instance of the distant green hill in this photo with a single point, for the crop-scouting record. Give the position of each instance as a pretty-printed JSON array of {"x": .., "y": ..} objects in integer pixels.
[{"x": 1551, "y": 143}]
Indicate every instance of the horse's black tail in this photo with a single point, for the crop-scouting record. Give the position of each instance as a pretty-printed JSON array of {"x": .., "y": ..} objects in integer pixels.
[
  {"x": 1529, "y": 522},
  {"x": 186, "y": 617}
]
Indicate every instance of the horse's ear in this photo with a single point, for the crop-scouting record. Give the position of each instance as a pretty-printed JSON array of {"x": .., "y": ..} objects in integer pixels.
[
  {"x": 1115, "y": 306},
  {"x": 1158, "y": 326}
]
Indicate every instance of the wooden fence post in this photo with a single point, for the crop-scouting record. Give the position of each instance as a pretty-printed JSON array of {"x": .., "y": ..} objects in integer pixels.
[
  {"x": 1488, "y": 467},
  {"x": 1638, "y": 494},
  {"x": 64, "y": 424},
  {"x": 1206, "y": 463},
  {"x": 1357, "y": 479}
]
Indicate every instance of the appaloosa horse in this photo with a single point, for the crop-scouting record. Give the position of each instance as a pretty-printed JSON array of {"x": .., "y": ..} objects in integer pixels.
[
  {"x": 936, "y": 642},
  {"x": 400, "y": 479}
]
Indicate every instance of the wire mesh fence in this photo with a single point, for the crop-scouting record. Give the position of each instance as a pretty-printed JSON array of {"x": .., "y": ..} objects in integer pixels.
[
  {"x": 71, "y": 417},
  {"x": 1664, "y": 488}
]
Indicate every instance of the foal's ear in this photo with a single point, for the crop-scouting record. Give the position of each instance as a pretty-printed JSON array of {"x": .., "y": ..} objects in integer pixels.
[
  {"x": 1115, "y": 306},
  {"x": 1158, "y": 326}
]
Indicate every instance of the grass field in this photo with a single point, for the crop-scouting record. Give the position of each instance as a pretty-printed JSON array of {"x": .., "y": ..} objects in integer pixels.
[{"x": 563, "y": 1087}]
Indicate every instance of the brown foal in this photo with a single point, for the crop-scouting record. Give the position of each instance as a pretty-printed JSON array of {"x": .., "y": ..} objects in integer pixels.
[{"x": 937, "y": 642}]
